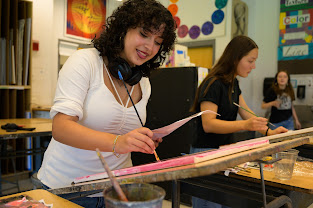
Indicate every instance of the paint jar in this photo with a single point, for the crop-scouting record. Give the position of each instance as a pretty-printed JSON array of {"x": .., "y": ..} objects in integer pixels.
[
  {"x": 283, "y": 168},
  {"x": 138, "y": 195}
]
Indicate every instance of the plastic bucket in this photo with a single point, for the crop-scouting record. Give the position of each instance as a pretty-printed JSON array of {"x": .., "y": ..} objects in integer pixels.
[
  {"x": 138, "y": 195},
  {"x": 283, "y": 168}
]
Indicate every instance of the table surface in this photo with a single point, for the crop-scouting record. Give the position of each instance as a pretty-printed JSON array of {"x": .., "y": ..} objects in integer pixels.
[
  {"x": 48, "y": 197},
  {"x": 301, "y": 183},
  {"x": 43, "y": 127}
]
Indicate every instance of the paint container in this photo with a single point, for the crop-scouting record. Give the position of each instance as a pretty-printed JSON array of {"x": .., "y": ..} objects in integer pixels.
[
  {"x": 138, "y": 195},
  {"x": 283, "y": 168}
]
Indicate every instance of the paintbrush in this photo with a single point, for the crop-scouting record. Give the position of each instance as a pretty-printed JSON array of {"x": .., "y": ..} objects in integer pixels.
[
  {"x": 250, "y": 112},
  {"x": 242, "y": 169},
  {"x": 115, "y": 184}
]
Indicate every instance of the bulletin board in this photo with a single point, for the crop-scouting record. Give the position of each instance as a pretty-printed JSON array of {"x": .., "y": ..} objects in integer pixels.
[
  {"x": 84, "y": 18},
  {"x": 198, "y": 20},
  {"x": 295, "y": 30}
]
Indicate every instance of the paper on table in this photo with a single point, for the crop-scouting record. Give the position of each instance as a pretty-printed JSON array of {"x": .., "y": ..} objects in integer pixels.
[
  {"x": 166, "y": 130},
  {"x": 23, "y": 201}
]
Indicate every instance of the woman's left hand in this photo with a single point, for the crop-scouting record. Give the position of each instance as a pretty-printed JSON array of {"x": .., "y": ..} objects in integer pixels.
[
  {"x": 298, "y": 124},
  {"x": 278, "y": 130}
]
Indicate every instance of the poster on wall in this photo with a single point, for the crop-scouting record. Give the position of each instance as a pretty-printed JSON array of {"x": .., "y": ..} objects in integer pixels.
[
  {"x": 84, "y": 19},
  {"x": 198, "y": 20},
  {"x": 239, "y": 25},
  {"x": 295, "y": 30}
]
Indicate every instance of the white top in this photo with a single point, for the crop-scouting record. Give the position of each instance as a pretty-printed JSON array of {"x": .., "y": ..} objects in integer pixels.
[{"x": 81, "y": 92}]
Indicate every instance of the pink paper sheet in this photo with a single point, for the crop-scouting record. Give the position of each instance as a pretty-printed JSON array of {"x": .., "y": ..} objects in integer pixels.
[{"x": 166, "y": 130}]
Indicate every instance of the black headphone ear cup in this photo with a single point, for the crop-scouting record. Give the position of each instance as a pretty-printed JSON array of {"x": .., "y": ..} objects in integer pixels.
[
  {"x": 125, "y": 70},
  {"x": 130, "y": 75},
  {"x": 135, "y": 78},
  {"x": 121, "y": 65}
]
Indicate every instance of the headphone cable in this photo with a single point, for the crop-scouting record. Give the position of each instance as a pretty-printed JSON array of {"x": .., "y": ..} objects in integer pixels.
[{"x": 121, "y": 78}]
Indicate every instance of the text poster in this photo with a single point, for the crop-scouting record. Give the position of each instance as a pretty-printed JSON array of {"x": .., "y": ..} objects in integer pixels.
[{"x": 295, "y": 30}]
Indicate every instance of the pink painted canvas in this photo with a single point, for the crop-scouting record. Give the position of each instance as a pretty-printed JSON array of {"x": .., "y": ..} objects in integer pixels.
[{"x": 180, "y": 161}]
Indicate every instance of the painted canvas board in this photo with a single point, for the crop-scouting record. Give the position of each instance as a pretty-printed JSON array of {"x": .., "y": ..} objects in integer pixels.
[
  {"x": 180, "y": 161},
  {"x": 84, "y": 18}
]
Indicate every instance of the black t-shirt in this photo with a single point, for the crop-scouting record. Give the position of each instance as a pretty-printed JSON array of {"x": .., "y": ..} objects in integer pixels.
[
  {"x": 284, "y": 111},
  {"x": 217, "y": 94}
]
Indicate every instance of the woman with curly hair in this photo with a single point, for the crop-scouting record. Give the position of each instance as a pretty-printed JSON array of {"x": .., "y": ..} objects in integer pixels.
[{"x": 92, "y": 108}]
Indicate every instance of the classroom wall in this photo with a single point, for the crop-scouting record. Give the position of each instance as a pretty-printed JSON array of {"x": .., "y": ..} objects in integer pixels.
[
  {"x": 263, "y": 28},
  {"x": 43, "y": 61},
  {"x": 48, "y": 27}
]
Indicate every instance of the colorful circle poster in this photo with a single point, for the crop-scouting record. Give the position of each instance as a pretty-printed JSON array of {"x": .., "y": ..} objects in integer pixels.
[{"x": 198, "y": 20}]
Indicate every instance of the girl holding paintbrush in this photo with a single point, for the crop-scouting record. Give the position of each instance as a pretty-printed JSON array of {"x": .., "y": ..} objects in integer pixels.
[
  {"x": 220, "y": 92},
  {"x": 92, "y": 109}
]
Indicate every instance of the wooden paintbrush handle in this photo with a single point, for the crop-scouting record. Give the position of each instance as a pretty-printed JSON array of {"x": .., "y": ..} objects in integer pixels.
[{"x": 115, "y": 184}]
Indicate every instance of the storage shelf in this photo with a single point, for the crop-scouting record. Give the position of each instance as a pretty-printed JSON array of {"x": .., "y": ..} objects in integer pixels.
[
  {"x": 15, "y": 61},
  {"x": 15, "y": 73}
]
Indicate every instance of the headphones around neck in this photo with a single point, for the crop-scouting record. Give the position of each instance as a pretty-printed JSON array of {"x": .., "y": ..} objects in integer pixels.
[{"x": 130, "y": 75}]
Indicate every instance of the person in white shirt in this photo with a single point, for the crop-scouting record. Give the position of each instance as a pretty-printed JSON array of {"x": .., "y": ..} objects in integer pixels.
[{"x": 92, "y": 108}]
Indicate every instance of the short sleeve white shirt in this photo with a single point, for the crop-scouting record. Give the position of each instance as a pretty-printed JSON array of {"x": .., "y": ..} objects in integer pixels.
[{"x": 81, "y": 92}]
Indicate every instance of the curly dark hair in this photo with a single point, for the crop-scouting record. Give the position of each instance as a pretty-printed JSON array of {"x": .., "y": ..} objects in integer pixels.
[{"x": 148, "y": 14}]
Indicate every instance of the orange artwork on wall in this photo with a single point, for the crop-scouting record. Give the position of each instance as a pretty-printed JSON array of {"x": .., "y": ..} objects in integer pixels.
[
  {"x": 85, "y": 18},
  {"x": 173, "y": 9}
]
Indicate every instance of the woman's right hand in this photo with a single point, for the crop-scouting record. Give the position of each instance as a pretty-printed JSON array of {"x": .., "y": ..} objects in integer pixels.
[
  {"x": 276, "y": 103},
  {"x": 137, "y": 140},
  {"x": 256, "y": 124}
]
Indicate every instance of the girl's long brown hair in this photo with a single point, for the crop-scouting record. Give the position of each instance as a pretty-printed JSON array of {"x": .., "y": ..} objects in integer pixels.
[
  {"x": 226, "y": 66},
  {"x": 288, "y": 89}
]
